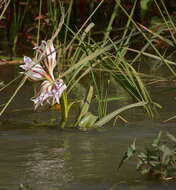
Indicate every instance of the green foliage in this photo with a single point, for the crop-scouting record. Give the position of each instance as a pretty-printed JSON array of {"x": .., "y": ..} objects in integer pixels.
[
  {"x": 158, "y": 160},
  {"x": 84, "y": 56},
  {"x": 110, "y": 116},
  {"x": 145, "y": 4},
  {"x": 127, "y": 155},
  {"x": 18, "y": 12},
  {"x": 85, "y": 120},
  {"x": 65, "y": 106}
]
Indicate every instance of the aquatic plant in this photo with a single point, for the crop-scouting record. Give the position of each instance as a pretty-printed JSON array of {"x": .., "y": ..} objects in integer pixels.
[
  {"x": 84, "y": 57},
  {"x": 52, "y": 89},
  {"x": 157, "y": 160}
]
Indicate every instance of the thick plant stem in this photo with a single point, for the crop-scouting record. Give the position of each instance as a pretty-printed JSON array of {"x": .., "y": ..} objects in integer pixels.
[{"x": 64, "y": 110}]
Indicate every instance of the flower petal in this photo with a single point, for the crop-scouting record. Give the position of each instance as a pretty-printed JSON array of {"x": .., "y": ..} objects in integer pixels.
[
  {"x": 47, "y": 53},
  {"x": 51, "y": 55},
  {"x": 32, "y": 70},
  {"x": 49, "y": 92}
]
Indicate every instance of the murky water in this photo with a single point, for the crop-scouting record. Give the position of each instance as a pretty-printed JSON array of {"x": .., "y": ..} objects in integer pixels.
[{"x": 49, "y": 159}]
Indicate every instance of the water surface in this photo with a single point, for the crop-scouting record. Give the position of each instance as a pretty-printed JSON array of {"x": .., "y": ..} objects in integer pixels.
[{"x": 50, "y": 159}]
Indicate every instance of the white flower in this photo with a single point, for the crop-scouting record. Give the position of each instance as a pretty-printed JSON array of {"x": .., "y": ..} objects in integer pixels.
[
  {"x": 51, "y": 89},
  {"x": 47, "y": 53},
  {"x": 32, "y": 70},
  {"x": 50, "y": 92}
]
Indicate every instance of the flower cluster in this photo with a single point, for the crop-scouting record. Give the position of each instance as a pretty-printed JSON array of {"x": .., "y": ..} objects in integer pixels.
[{"x": 43, "y": 70}]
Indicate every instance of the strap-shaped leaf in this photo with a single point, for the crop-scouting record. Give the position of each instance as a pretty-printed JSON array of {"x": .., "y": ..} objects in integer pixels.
[{"x": 110, "y": 116}]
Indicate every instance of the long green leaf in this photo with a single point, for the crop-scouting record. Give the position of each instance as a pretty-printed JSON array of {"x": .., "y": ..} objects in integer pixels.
[{"x": 110, "y": 116}]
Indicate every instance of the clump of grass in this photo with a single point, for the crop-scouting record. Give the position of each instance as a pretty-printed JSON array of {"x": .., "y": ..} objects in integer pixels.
[{"x": 18, "y": 14}]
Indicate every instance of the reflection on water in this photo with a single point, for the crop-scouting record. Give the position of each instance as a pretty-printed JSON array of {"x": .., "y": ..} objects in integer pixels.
[{"x": 50, "y": 159}]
